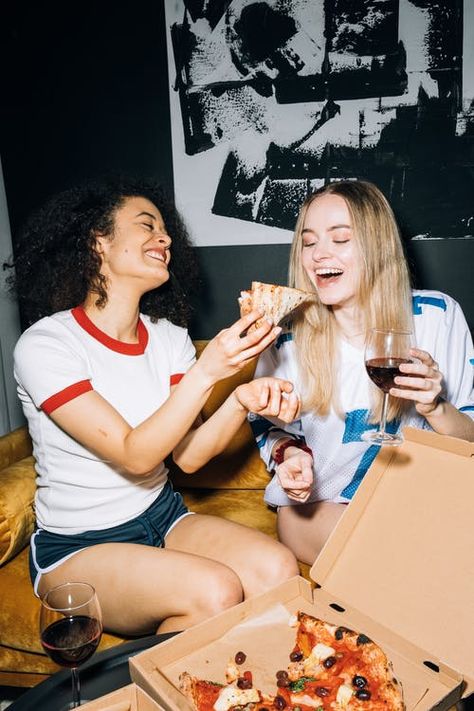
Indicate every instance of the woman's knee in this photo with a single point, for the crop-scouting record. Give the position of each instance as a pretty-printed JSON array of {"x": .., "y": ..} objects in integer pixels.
[
  {"x": 222, "y": 589},
  {"x": 279, "y": 566}
]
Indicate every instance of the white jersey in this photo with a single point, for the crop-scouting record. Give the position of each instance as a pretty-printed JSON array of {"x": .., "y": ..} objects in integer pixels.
[
  {"x": 340, "y": 457},
  {"x": 65, "y": 355}
]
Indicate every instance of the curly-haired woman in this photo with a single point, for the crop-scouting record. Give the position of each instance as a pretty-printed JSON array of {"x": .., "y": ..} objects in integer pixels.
[
  {"x": 348, "y": 251},
  {"x": 110, "y": 386}
]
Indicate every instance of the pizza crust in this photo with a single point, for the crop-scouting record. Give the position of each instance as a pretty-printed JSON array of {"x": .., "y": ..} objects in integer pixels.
[{"x": 276, "y": 302}]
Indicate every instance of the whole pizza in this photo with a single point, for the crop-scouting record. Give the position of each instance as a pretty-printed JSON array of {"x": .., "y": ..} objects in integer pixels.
[{"x": 330, "y": 668}]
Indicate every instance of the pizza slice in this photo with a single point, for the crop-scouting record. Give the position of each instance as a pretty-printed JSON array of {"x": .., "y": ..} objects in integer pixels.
[
  {"x": 332, "y": 668},
  {"x": 276, "y": 302},
  {"x": 336, "y": 668},
  {"x": 211, "y": 696}
]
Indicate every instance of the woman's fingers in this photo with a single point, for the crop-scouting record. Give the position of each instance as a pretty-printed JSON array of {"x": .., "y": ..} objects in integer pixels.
[
  {"x": 300, "y": 497},
  {"x": 272, "y": 397},
  {"x": 242, "y": 348},
  {"x": 419, "y": 381}
]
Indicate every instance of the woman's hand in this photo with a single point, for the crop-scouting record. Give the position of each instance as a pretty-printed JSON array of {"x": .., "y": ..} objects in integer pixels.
[
  {"x": 230, "y": 351},
  {"x": 295, "y": 474},
  {"x": 269, "y": 397},
  {"x": 421, "y": 382}
]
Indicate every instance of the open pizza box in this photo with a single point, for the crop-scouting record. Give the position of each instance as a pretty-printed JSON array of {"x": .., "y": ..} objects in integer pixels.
[
  {"x": 398, "y": 567},
  {"x": 128, "y": 698}
]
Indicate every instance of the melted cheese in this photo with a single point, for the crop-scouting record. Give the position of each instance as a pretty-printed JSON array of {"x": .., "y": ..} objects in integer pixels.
[
  {"x": 232, "y": 696},
  {"x": 322, "y": 652},
  {"x": 293, "y": 621},
  {"x": 344, "y": 695},
  {"x": 305, "y": 700}
]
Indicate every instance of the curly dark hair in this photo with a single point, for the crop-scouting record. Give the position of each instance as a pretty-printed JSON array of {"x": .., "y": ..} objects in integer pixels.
[{"x": 56, "y": 265}]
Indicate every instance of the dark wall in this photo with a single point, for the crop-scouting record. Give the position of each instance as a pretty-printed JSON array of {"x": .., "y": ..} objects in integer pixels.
[{"x": 85, "y": 91}]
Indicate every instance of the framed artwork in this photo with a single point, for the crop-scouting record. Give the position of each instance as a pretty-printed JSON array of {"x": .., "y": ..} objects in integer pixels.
[{"x": 274, "y": 98}]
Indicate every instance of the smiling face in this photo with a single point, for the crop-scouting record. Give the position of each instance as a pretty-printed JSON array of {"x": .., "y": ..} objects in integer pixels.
[
  {"x": 138, "y": 251},
  {"x": 329, "y": 252}
]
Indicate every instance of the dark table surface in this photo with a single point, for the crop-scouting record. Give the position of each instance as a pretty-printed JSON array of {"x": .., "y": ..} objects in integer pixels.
[{"x": 103, "y": 673}]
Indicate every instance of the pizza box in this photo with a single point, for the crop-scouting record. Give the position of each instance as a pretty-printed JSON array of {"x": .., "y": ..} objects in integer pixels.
[
  {"x": 128, "y": 698},
  {"x": 398, "y": 567}
]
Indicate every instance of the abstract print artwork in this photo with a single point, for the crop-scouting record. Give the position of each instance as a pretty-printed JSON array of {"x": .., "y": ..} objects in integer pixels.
[{"x": 271, "y": 99}]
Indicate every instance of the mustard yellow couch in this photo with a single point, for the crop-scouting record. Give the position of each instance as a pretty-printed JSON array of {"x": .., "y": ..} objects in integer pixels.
[{"x": 231, "y": 486}]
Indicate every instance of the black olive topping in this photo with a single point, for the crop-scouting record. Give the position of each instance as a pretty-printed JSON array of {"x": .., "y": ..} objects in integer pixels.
[
  {"x": 363, "y": 639},
  {"x": 359, "y": 681},
  {"x": 322, "y": 691},
  {"x": 339, "y": 633},
  {"x": 363, "y": 694}
]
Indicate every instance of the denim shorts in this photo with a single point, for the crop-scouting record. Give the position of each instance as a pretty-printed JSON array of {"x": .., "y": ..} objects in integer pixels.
[{"x": 48, "y": 550}]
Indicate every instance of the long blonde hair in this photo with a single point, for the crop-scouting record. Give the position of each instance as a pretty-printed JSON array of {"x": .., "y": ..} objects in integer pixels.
[{"x": 384, "y": 294}]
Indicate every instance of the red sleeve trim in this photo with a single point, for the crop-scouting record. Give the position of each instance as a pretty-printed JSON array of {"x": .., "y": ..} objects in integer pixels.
[
  {"x": 174, "y": 379},
  {"x": 66, "y": 395}
]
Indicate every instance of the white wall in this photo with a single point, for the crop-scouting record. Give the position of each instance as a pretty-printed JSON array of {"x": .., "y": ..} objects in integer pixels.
[{"x": 10, "y": 410}]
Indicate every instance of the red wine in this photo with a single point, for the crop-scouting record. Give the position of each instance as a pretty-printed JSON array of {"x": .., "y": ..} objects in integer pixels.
[
  {"x": 71, "y": 641},
  {"x": 382, "y": 371}
]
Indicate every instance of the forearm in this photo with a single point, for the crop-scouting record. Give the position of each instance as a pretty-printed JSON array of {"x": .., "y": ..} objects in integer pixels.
[
  {"x": 447, "y": 419},
  {"x": 100, "y": 428},
  {"x": 158, "y": 436},
  {"x": 202, "y": 444}
]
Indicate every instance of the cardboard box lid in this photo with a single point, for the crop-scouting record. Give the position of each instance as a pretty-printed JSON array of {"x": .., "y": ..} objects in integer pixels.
[
  {"x": 403, "y": 552},
  {"x": 128, "y": 698}
]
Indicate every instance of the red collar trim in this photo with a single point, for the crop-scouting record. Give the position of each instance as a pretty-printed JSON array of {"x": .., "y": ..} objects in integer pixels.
[{"x": 118, "y": 346}]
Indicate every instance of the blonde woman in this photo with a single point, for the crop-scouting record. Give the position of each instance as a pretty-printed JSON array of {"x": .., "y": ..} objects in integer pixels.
[{"x": 347, "y": 249}]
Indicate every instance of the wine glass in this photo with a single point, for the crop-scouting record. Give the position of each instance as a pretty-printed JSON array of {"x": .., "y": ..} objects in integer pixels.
[
  {"x": 71, "y": 628},
  {"x": 385, "y": 351}
]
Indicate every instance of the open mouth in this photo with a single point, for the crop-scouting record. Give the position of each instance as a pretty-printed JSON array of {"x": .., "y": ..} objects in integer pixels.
[
  {"x": 328, "y": 273},
  {"x": 156, "y": 254}
]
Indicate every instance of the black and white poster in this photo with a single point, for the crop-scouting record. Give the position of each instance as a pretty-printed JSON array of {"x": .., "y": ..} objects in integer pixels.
[{"x": 271, "y": 99}]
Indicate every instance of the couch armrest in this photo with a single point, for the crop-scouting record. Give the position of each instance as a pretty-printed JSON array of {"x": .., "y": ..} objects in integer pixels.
[
  {"x": 14, "y": 447},
  {"x": 17, "y": 492}
]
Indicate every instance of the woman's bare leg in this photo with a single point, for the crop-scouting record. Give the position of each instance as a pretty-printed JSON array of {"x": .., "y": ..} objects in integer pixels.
[
  {"x": 142, "y": 589},
  {"x": 260, "y": 561},
  {"x": 305, "y": 528}
]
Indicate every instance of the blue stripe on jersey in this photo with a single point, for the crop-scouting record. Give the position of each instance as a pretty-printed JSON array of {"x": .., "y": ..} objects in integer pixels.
[
  {"x": 283, "y": 338},
  {"x": 430, "y": 300},
  {"x": 471, "y": 361},
  {"x": 467, "y": 408},
  {"x": 365, "y": 462},
  {"x": 356, "y": 424},
  {"x": 259, "y": 425}
]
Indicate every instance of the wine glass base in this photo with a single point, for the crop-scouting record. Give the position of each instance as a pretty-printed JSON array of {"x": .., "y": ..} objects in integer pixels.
[{"x": 382, "y": 438}]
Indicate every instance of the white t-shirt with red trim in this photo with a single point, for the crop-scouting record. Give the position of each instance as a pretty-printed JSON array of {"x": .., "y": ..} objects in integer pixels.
[{"x": 59, "y": 358}]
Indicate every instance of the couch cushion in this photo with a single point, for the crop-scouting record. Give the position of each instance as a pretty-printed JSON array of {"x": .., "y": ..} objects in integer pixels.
[
  {"x": 14, "y": 446},
  {"x": 17, "y": 492},
  {"x": 239, "y": 468},
  {"x": 242, "y": 506}
]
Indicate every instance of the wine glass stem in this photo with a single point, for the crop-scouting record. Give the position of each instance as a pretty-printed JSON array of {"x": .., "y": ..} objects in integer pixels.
[
  {"x": 383, "y": 419},
  {"x": 76, "y": 688}
]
